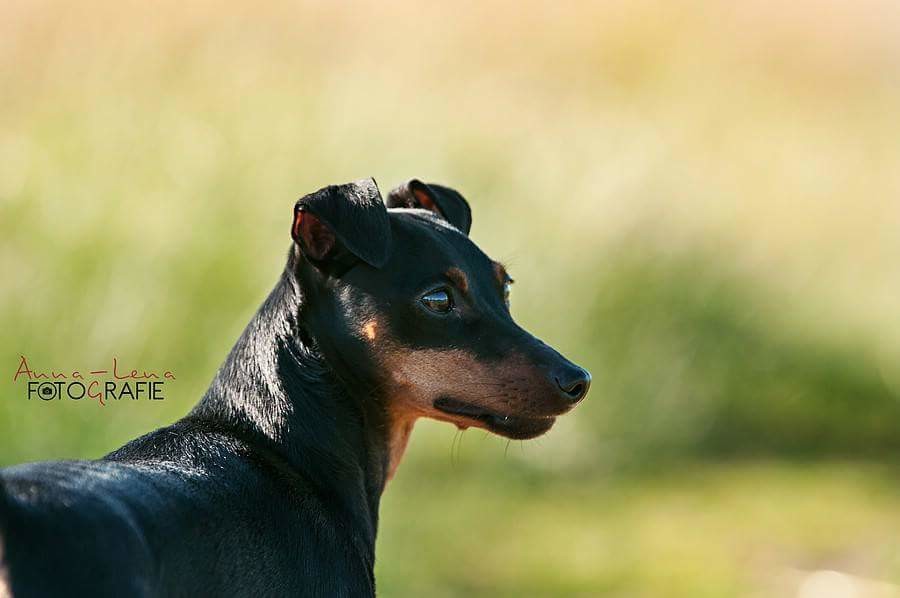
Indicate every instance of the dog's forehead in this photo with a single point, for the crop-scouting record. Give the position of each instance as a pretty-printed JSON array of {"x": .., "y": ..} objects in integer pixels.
[
  {"x": 416, "y": 219},
  {"x": 420, "y": 237},
  {"x": 422, "y": 230}
]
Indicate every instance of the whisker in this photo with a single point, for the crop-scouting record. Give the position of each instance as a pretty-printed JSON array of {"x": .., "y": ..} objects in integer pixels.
[
  {"x": 453, "y": 448},
  {"x": 453, "y": 461}
]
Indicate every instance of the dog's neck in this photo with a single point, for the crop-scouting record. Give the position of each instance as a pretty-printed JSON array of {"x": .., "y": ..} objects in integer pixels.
[{"x": 275, "y": 389}]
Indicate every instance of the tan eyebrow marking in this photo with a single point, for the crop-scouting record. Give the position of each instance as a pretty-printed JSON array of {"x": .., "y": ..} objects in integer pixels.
[
  {"x": 459, "y": 278},
  {"x": 370, "y": 329}
]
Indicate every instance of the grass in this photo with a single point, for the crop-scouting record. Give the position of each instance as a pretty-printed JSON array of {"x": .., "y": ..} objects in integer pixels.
[
  {"x": 697, "y": 200},
  {"x": 754, "y": 528}
]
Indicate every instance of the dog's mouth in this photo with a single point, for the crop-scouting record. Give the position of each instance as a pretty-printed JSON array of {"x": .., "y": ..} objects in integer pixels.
[{"x": 516, "y": 427}]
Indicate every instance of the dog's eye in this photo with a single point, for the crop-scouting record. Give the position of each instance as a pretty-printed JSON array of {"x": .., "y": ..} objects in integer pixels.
[
  {"x": 438, "y": 301},
  {"x": 507, "y": 286}
]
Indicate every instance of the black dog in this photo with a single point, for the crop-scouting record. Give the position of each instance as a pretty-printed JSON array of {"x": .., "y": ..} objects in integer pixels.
[{"x": 271, "y": 485}]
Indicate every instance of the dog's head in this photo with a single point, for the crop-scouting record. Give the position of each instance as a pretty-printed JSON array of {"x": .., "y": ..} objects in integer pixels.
[{"x": 401, "y": 302}]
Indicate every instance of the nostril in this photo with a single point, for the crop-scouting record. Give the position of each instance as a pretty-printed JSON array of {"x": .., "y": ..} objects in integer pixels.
[{"x": 575, "y": 389}]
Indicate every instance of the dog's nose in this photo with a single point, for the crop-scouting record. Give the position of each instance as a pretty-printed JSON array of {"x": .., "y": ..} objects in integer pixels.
[{"x": 573, "y": 382}]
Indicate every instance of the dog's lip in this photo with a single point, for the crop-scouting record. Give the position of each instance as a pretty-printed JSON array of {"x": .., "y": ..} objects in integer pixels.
[{"x": 517, "y": 427}]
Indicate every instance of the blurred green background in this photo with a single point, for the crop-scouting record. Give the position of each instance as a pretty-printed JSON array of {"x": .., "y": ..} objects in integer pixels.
[{"x": 699, "y": 201}]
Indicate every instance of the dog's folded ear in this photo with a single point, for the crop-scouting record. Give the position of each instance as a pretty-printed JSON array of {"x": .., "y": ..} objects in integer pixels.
[
  {"x": 443, "y": 201},
  {"x": 341, "y": 222}
]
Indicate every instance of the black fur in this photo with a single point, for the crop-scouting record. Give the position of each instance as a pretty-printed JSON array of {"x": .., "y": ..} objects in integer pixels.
[{"x": 265, "y": 488}]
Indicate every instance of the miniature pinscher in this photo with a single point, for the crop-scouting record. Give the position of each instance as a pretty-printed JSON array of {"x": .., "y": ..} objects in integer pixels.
[{"x": 386, "y": 312}]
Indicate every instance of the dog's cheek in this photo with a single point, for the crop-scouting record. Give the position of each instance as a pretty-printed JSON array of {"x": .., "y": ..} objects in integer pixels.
[{"x": 419, "y": 377}]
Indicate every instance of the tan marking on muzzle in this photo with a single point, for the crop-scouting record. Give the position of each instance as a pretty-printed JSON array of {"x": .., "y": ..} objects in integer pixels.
[
  {"x": 419, "y": 377},
  {"x": 415, "y": 378}
]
